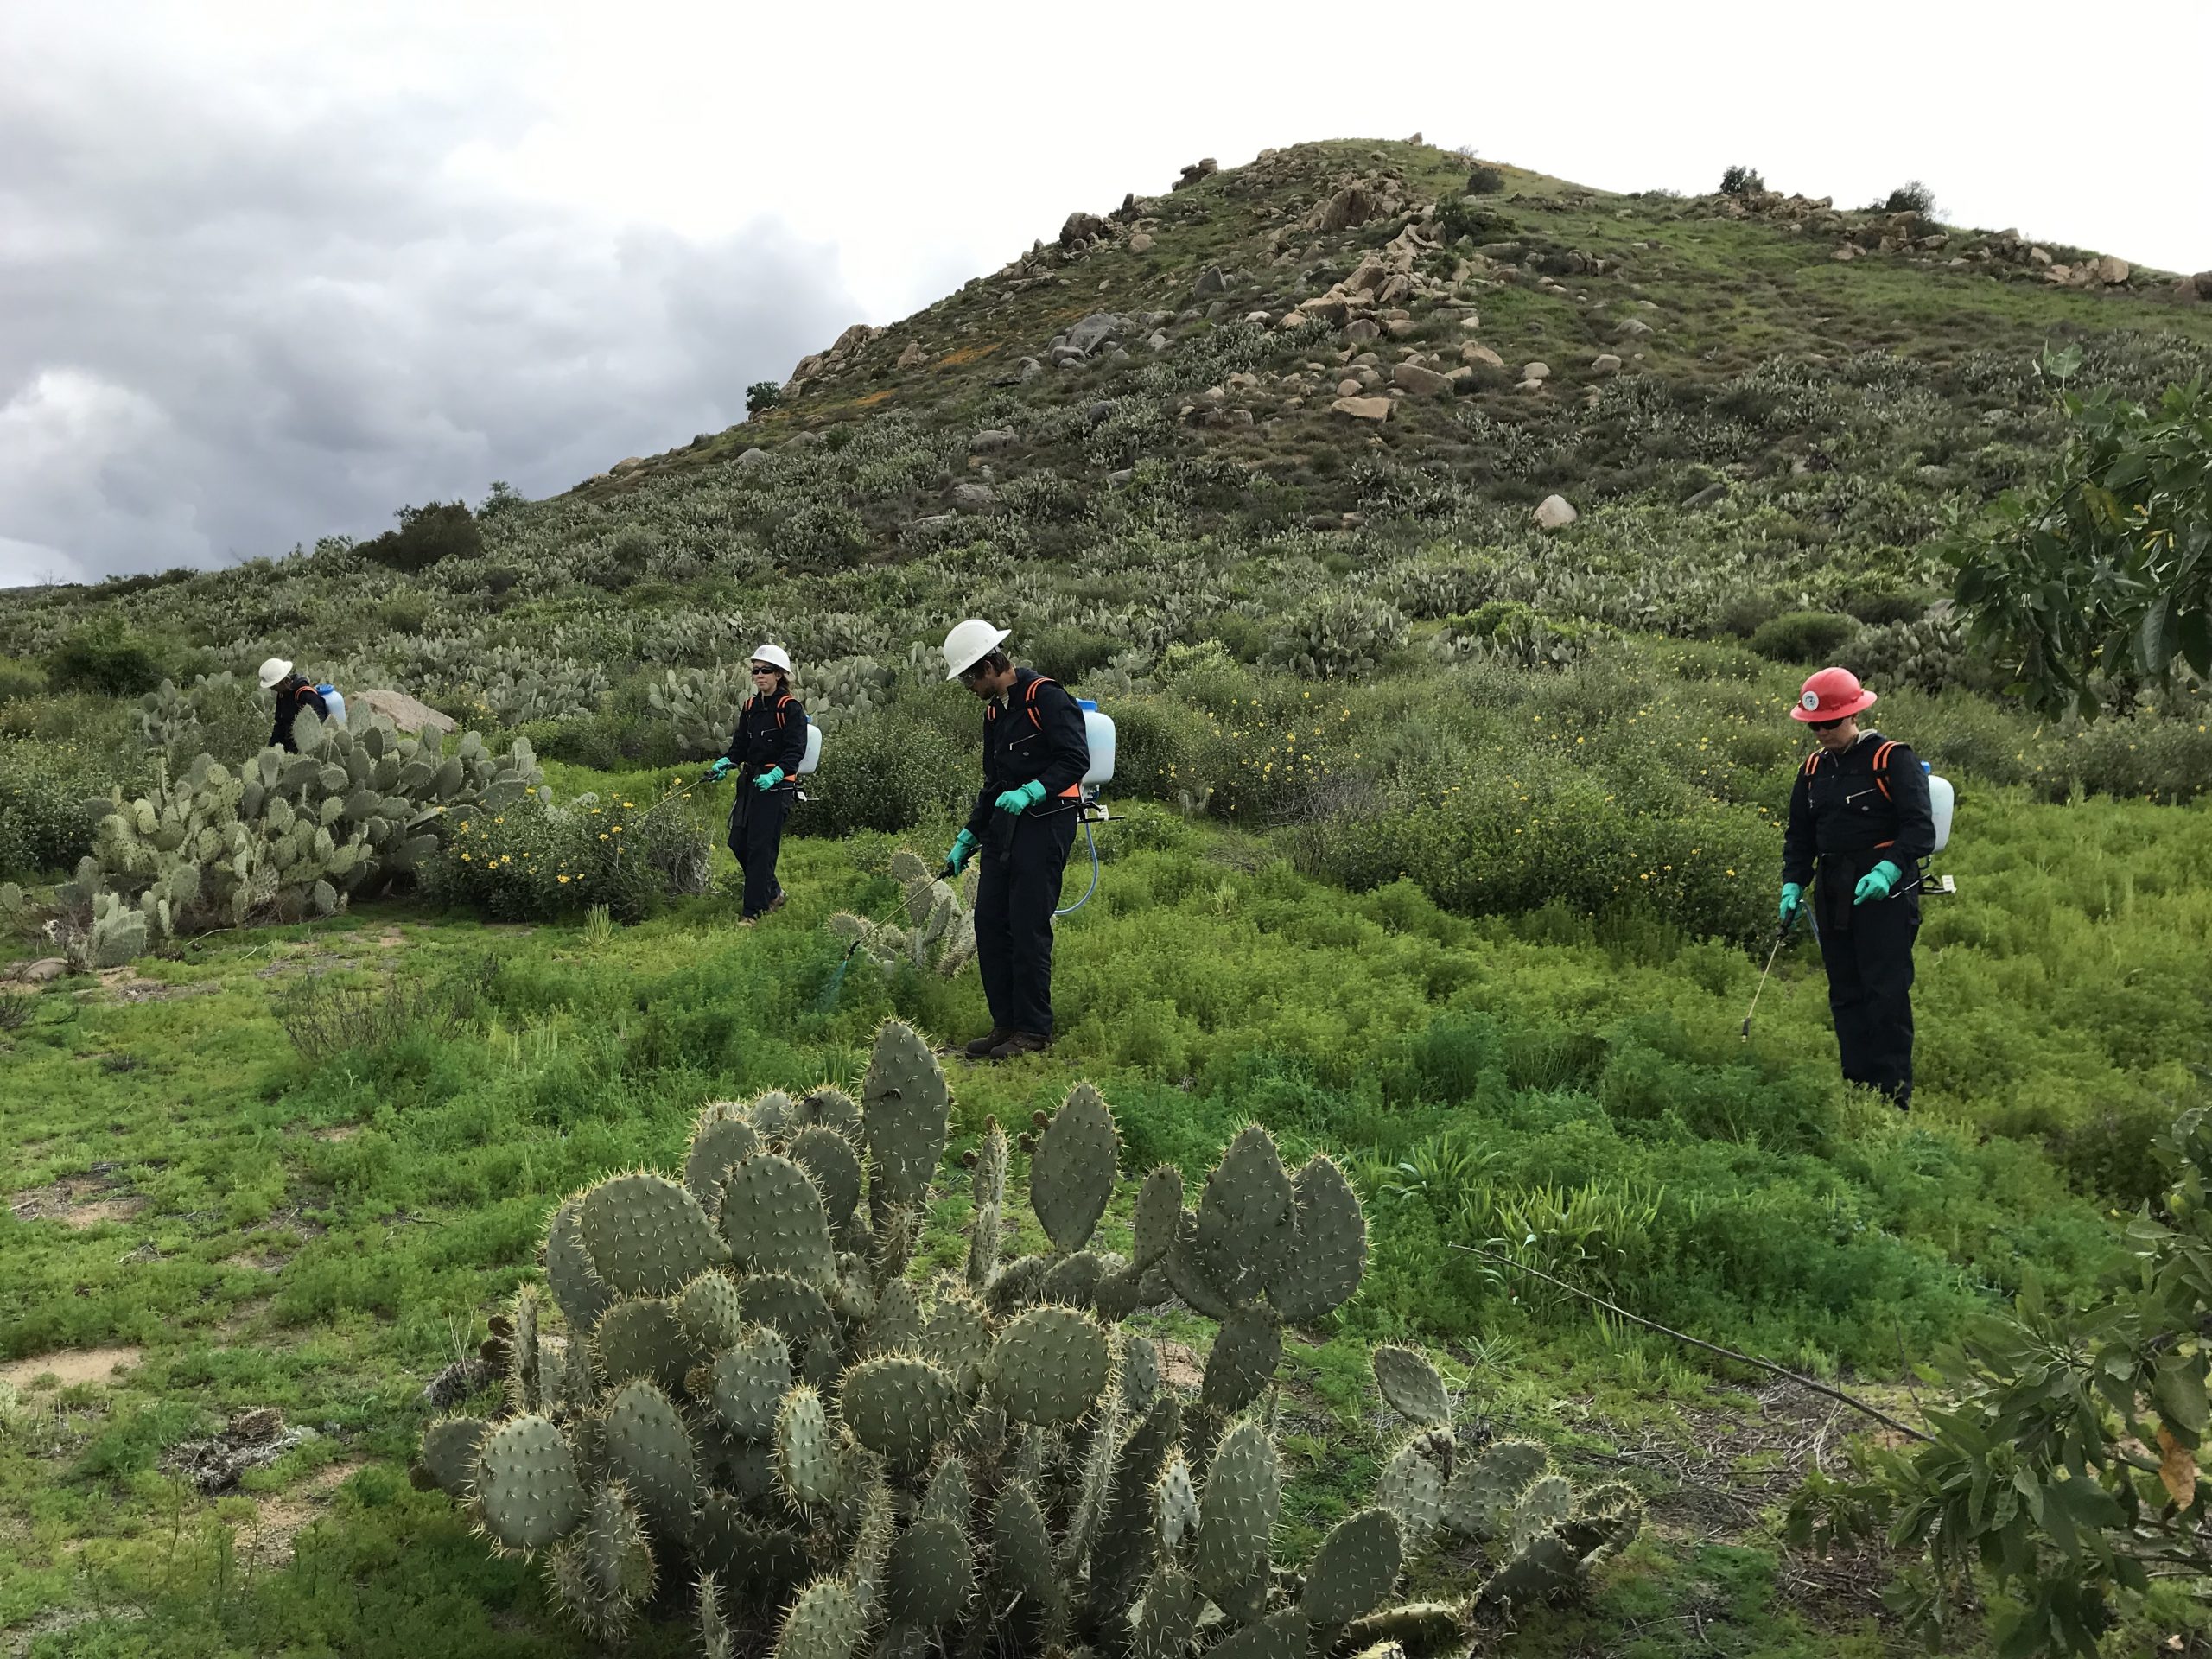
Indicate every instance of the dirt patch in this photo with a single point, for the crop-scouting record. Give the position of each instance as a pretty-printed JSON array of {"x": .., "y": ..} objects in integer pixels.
[
  {"x": 286, "y": 1515},
  {"x": 335, "y": 1132},
  {"x": 70, "y": 1366},
  {"x": 256, "y": 1261},
  {"x": 391, "y": 939},
  {"x": 79, "y": 1201},
  {"x": 1180, "y": 1368},
  {"x": 129, "y": 985}
]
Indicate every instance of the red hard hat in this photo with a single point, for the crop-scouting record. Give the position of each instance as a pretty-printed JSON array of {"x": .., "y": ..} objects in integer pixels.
[{"x": 1832, "y": 694}]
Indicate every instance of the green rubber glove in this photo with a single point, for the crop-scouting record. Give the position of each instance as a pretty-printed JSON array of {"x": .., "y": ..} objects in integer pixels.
[
  {"x": 1793, "y": 895},
  {"x": 964, "y": 849},
  {"x": 1877, "y": 882},
  {"x": 769, "y": 778},
  {"x": 1020, "y": 800},
  {"x": 721, "y": 766}
]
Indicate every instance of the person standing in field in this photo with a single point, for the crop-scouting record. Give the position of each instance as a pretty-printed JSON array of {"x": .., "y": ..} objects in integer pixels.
[
  {"x": 767, "y": 748},
  {"x": 1859, "y": 829},
  {"x": 1035, "y": 753},
  {"x": 294, "y": 693}
]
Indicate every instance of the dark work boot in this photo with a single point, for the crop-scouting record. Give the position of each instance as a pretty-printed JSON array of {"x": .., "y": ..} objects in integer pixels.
[
  {"x": 981, "y": 1047},
  {"x": 1022, "y": 1042}
]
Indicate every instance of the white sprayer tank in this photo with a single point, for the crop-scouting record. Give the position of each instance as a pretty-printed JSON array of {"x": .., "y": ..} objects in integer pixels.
[
  {"x": 813, "y": 755},
  {"x": 1942, "y": 799},
  {"x": 1098, "y": 732}
]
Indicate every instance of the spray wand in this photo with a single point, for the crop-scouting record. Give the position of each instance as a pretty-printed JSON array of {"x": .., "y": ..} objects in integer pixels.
[{"x": 1781, "y": 937}]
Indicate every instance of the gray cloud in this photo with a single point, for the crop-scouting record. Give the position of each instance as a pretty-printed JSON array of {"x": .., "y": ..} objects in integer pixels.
[{"x": 227, "y": 327}]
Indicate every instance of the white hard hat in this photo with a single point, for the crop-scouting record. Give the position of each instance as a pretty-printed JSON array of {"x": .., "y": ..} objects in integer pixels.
[
  {"x": 273, "y": 670},
  {"x": 773, "y": 654},
  {"x": 968, "y": 644}
]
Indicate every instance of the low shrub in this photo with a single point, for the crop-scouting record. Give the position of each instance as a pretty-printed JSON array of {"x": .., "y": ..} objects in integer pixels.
[
  {"x": 531, "y": 862},
  {"x": 105, "y": 658},
  {"x": 20, "y": 679},
  {"x": 1910, "y": 197},
  {"x": 1483, "y": 180},
  {"x": 1803, "y": 636},
  {"x": 1740, "y": 181},
  {"x": 889, "y": 771},
  {"x": 428, "y": 535},
  {"x": 1066, "y": 653},
  {"x": 53, "y": 795}
]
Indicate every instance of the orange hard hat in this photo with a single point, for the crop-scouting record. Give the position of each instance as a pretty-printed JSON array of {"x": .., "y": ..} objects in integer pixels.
[{"x": 1832, "y": 694}]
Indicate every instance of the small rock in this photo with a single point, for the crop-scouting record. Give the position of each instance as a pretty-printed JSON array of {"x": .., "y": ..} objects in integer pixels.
[
  {"x": 1535, "y": 370},
  {"x": 1291, "y": 320},
  {"x": 1472, "y": 353},
  {"x": 1260, "y": 318},
  {"x": 1422, "y": 383},
  {"x": 991, "y": 439},
  {"x": 1349, "y": 387},
  {"x": 1095, "y": 330},
  {"x": 1634, "y": 326},
  {"x": 1081, "y": 227},
  {"x": 914, "y": 357},
  {"x": 1157, "y": 340},
  {"x": 1459, "y": 375},
  {"x": 1361, "y": 329},
  {"x": 2112, "y": 272},
  {"x": 1116, "y": 479},
  {"x": 1471, "y": 322},
  {"x": 627, "y": 464},
  {"x": 44, "y": 971},
  {"x": 1141, "y": 242},
  {"x": 1031, "y": 368},
  {"x": 751, "y": 457},
  {"x": 1604, "y": 363},
  {"x": 1363, "y": 409},
  {"x": 1210, "y": 281},
  {"x": 973, "y": 498},
  {"x": 1706, "y": 497},
  {"x": 1399, "y": 327},
  {"x": 1553, "y": 512}
]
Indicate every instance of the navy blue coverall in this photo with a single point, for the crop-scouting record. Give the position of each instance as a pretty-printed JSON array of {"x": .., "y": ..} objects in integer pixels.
[
  {"x": 770, "y": 732},
  {"x": 1848, "y": 813},
  {"x": 294, "y": 694},
  {"x": 1035, "y": 732}
]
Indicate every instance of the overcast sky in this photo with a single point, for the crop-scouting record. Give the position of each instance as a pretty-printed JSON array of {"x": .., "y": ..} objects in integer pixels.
[{"x": 268, "y": 271}]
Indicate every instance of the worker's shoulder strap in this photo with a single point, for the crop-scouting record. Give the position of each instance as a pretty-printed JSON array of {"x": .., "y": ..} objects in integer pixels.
[
  {"x": 1029, "y": 697},
  {"x": 1812, "y": 763},
  {"x": 1882, "y": 766},
  {"x": 305, "y": 691},
  {"x": 782, "y": 707}
]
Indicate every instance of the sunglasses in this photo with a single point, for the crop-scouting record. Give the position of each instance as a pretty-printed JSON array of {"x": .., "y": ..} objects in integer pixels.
[
  {"x": 766, "y": 668},
  {"x": 1824, "y": 725},
  {"x": 970, "y": 676}
]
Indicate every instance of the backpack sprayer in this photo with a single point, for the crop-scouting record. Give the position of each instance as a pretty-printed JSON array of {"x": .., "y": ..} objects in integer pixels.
[{"x": 1942, "y": 801}]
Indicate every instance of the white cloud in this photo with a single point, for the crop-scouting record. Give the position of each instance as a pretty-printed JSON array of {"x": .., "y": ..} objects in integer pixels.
[{"x": 344, "y": 259}]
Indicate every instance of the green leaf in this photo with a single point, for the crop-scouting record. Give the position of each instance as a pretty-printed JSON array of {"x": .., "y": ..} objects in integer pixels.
[{"x": 2178, "y": 1391}]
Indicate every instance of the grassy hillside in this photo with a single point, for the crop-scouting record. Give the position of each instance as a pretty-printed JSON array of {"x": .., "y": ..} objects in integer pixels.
[{"x": 1438, "y": 839}]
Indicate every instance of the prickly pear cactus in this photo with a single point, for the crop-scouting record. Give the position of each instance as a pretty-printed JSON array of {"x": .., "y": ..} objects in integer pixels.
[
  {"x": 942, "y": 934},
  {"x": 1539, "y": 1537},
  {"x": 702, "y": 705},
  {"x": 286, "y": 835},
  {"x": 753, "y": 1391}
]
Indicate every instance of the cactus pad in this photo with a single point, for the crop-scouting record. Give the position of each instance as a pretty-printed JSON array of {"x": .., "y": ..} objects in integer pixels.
[
  {"x": 1021, "y": 1547},
  {"x": 1049, "y": 1366},
  {"x": 932, "y": 1573},
  {"x": 825, "y": 1622},
  {"x": 829, "y": 1108},
  {"x": 1411, "y": 1386},
  {"x": 640, "y": 1337},
  {"x": 1237, "y": 1512},
  {"x": 810, "y": 1462},
  {"x": 1245, "y": 1354},
  {"x": 1412, "y": 1488},
  {"x": 905, "y": 1107},
  {"x": 896, "y": 1324},
  {"x": 1354, "y": 1569},
  {"x": 1072, "y": 1173},
  {"x": 1167, "y": 1616},
  {"x": 1278, "y": 1636},
  {"x": 1480, "y": 1502},
  {"x": 773, "y": 1219},
  {"x": 1248, "y": 1217},
  {"x": 710, "y": 1312},
  {"x": 526, "y": 1486},
  {"x": 450, "y": 1448},
  {"x": 649, "y": 1450},
  {"x": 1332, "y": 1244},
  {"x": 951, "y": 1493},
  {"x": 833, "y": 1167},
  {"x": 957, "y": 1338},
  {"x": 1159, "y": 1212},
  {"x": 1416, "y": 1627},
  {"x": 1541, "y": 1568},
  {"x": 647, "y": 1235},
  {"x": 899, "y": 1406},
  {"x": 796, "y": 1309},
  {"x": 1175, "y": 1504},
  {"x": 582, "y": 1293},
  {"x": 722, "y": 1138},
  {"x": 1073, "y": 1279},
  {"x": 746, "y": 1383},
  {"x": 1548, "y": 1501}
]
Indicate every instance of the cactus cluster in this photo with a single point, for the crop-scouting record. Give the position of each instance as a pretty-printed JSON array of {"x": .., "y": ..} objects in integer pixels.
[
  {"x": 1929, "y": 653},
  {"x": 755, "y": 1395},
  {"x": 517, "y": 687},
  {"x": 940, "y": 934},
  {"x": 1539, "y": 1537},
  {"x": 168, "y": 716},
  {"x": 1340, "y": 637},
  {"x": 702, "y": 705},
  {"x": 839, "y": 689},
  {"x": 286, "y": 834}
]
